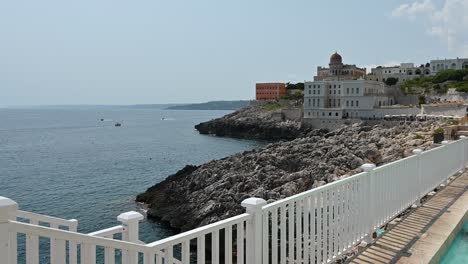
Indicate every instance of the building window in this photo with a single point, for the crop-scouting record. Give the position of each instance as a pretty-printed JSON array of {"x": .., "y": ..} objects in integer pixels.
[
  {"x": 313, "y": 102},
  {"x": 357, "y": 90},
  {"x": 352, "y": 90},
  {"x": 334, "y": 91},
  {"x": 336, "y": 114},
  {"x": 339, "y": 91},
  {"x": 310, "y": 86},
  {"x": 323, "y": 113},
  {"x": 314, "y": 91},
  {"x": 357, "y": 103},
  {"x": 329, "y": 102},
  {"x": 329, "y": 113},
  {"x": 310, "y": 91},
  {"x": 309, "y": 113},
  {"x": 314, "y": 86},
  {"x": 334, "y": 86},
  {"x": 352, "y": 103},
  {"x": 347, "y": 90},
  {"x": 347, "y": 103},
  {"x": 339, "y": 85},
  {"x": 329, "y": 91}
]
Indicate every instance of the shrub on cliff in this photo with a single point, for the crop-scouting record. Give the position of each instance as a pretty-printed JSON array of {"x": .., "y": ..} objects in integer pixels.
[
  {"x": 391, "y": 81},
  {"x": 450, "y": 75}
]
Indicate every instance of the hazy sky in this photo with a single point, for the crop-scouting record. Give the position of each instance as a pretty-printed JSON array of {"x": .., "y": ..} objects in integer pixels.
[{"x": 134, "y": 52}]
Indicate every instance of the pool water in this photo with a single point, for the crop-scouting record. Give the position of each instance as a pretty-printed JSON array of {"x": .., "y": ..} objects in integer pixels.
[{"x": 458, "y": 251}]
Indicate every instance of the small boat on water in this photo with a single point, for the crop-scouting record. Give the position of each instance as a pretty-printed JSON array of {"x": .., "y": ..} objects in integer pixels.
[
  {"x": 102, "y": 119},
  {"x": 117, "y": 124}
]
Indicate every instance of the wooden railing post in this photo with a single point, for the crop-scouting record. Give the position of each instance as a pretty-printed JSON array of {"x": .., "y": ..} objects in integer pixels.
[
  {"x": 420, "y": 187},
  {"x": 8, "y": 208},
  {"x": 130, "y": 221},
  {"x": 369, "y": 168},
  {"x": 253, "y": 206}
]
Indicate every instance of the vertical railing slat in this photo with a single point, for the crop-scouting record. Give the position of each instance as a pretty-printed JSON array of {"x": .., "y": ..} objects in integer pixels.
[
  {"x": 306, "y": 213},
  {"x": 228, "y": 245},
  {"x": 265, "y": 236},
  {"x": 201, "y": 249},
  {"x": 88, "y": 253},
  {"x": 299, "y": 230},
  {"x": 215, "y": 247},
  {"x": 186, "y": 252},
  {"x": 291, "y": 232},
  {"x": 32, "y": 246},
  {"x": 240, "y": 243},
  {"x": 283, "y": 234},
  {"x": 13, "y": 248},
  {"x": 274, "y": 236}
]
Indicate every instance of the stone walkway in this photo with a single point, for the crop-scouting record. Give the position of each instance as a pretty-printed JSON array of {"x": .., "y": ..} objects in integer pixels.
[{"x": 419, "y": 236}]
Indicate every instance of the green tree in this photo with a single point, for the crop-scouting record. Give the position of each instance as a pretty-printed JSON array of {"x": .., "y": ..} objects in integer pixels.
[{"x": 391, "y": 81}]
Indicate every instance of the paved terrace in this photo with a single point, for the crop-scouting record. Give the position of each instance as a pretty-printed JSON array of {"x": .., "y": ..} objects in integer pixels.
[{"x": 423, "y": 235}]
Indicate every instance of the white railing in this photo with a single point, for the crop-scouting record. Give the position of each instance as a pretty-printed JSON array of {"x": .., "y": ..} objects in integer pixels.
[{"x": 316, "y": 226}]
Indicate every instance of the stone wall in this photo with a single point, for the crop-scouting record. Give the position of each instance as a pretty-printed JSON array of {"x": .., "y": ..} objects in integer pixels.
[
  {"x": 294, "y": 114},
  {"x": 330, "y": 124},
  {"x": 407, "y": 99},
  {"x": 458, "y": 97},
  {"x": 449, "y": 110}
]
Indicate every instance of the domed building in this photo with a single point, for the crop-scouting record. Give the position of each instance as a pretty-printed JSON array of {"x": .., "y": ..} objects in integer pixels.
[{"x": 339, "y": 71}]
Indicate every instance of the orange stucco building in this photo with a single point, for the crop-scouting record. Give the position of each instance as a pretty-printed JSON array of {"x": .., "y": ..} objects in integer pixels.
[{"x": 270, "y": 91}]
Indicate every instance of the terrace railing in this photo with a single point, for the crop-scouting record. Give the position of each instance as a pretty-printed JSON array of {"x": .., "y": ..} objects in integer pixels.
[{"x": 316, "y": 226}]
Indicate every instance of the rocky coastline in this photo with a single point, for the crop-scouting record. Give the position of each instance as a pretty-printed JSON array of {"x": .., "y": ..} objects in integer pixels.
[
  {"x": 199, "y": 195},
  {"x": 256, "y": 121}
]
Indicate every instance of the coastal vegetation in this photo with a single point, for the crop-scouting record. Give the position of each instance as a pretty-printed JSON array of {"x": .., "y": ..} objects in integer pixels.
[
  {"x": 391, "y": 81},
  {"x": 439, "y": 83},
  {"x": 295, "y": 86}
]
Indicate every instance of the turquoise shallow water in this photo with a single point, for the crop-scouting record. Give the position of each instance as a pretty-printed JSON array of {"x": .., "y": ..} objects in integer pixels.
[
  {"x": 458, "y": 251},
  {"x": 65, "y": 162}
]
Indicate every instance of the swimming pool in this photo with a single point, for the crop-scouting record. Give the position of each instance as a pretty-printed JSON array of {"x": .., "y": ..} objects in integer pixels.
[{"x": 458, "y": 250}]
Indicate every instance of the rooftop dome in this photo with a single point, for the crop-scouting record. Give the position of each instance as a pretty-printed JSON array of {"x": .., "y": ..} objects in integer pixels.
[{"x": 335, "y": 56}]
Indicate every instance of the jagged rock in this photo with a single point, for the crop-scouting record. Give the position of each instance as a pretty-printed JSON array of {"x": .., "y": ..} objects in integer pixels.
[
  {"x": 198, "y": 195},
  {"x": 253, "y": 122}
]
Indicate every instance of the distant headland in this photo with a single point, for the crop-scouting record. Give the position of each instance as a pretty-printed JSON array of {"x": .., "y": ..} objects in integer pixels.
[{"x": 212, "y": 105}]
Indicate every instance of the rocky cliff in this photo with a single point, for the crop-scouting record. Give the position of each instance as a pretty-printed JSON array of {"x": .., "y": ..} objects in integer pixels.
[
  {"x": 198, "y": 195},
  {"x": 256, "y": 121}
]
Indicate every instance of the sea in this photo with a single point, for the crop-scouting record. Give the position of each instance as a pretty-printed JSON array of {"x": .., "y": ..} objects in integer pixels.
[{"x": 74, "y": 163}]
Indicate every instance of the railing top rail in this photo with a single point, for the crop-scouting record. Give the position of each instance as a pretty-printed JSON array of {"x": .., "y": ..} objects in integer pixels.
[
  {"x": 390, "y": 164},
  {"x": 191, "y": 234},
  {"x": 108, "y": 231},
  {"x": 318, "y": 189},
  {"x": 45, "y": 218},
  {"x": 43, "y": 231}
]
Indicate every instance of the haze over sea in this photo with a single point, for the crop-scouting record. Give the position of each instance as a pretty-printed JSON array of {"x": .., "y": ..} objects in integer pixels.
[{"x": 65, "y": 162}]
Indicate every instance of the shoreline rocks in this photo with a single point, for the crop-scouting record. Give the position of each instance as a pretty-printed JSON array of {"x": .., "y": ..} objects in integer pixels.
[
  {"x": 199, "y": 195},
  {"x": 253, "y": 122}
]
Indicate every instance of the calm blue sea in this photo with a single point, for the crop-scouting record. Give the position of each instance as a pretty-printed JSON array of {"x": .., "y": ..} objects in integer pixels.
[{"x": 67, "y": 163}]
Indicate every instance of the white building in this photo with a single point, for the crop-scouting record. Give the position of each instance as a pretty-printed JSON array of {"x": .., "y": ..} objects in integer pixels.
[
  {"x": 403, "y": 72},
  {"x": 344, "y": 99},
  {"x": 445, "y": 64}
]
